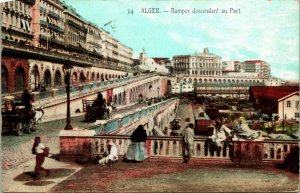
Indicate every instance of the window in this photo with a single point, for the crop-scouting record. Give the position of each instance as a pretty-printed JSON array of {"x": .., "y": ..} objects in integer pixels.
[
  {"x": 297, "y": 104},
  {"x": 288, "y": 104},
  {"x": 297, "y": 115}
]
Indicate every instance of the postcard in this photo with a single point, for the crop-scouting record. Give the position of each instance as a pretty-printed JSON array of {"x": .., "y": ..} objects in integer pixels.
[{"x": 150, "y": 96}]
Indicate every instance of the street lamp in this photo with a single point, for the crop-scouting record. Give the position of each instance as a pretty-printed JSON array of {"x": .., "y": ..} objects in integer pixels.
[{"x": 67, "y": 70}]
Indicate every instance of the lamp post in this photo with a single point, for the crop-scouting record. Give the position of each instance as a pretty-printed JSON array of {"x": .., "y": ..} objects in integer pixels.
[{"x": 67, "y": 70}]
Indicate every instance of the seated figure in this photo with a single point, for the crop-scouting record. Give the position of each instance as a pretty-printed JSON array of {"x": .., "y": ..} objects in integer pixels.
[
  {"x": 112, "y": 155},
  {"x": 220, "y": 133}
]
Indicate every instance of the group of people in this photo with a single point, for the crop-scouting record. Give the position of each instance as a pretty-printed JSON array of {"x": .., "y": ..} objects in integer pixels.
[{"x": 137, "y": 150}]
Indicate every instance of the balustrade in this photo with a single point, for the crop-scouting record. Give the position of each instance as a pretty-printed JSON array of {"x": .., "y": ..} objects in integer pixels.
[
  {"x": 277, "y": 150},
  {"x": 161, "y": 147}
]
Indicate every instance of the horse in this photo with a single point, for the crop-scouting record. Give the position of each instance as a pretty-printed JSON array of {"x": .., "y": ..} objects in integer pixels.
[{"x": 39, "y": 113}]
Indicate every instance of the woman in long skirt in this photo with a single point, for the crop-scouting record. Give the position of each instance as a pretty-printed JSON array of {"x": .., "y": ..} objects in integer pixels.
[{"x": 137, "y": 150}]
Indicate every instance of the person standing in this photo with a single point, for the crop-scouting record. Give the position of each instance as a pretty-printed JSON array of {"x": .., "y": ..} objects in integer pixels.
[
  {"x": 100, "y": 105},
  {"x": 41, "y": 151},
  {"x": 26, "y": 100},
  {"x": 188, "y": 142},
  {"x": 137, "y": 150}
]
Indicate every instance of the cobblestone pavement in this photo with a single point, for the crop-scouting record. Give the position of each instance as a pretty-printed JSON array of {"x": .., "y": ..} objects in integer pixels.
[
  {"x": 17, "y": 149},
  {"x": 52, "y": 128}
]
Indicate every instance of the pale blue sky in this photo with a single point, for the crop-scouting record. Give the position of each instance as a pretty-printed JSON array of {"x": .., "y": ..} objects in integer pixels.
[{"x": 265, "y": 29}]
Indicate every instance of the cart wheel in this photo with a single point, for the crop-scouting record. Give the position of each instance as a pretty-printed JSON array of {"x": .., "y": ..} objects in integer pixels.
[
  {"x": 32, "y": 126},
  {"x": 19, "y": 128},
  {"x": 28, "y": 127}
]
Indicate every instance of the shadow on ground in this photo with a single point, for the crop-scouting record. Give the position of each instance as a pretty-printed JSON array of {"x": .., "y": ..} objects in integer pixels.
[{"x": 55, "y": 173}]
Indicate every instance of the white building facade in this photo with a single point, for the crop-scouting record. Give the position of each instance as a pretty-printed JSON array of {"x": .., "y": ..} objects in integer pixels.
[
  {"x": 203, "y": 64},
  {"x": 288, "y": 106}
]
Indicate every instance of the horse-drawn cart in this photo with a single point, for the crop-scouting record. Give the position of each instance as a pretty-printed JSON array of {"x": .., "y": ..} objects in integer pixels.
[
  {"x": 18, "y": 121},
  {"x": 96, "y": 112}
]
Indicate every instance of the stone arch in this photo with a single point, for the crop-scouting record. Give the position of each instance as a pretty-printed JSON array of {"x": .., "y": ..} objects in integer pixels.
[
  {"x": 35, "y": 77},
  {"x": 20, "y": 77},
  {"x": 87, "y": 76},
  {"x": 98, "y": 76},
  {"x": 57, "y": 78},
  {"x": 74, "y": 77},
  {"x": 93, "y": 76},
  {"x": 47, "y": 79},
  {"x": 82, "y": 78},
  {"x": 215, "y": 81},
  {"x": 224, "y": 80},
  {"x": 4, "y": 79}
]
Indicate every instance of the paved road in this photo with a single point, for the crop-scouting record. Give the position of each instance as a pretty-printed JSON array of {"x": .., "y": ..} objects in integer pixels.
[{"x": 52, "y": 128}]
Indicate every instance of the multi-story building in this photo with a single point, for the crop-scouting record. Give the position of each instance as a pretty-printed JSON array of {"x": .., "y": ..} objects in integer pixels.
[
  {"x": 203, "y": 64},
  {"x": 117, "y": 53},
  {"x": 17, "y": 21},
  {"x": 237, "y": 66},
  {"x": 94, "y": 41},
  {"x": 273, "y": 81},
  {"x": 181, "y": 64},
  {"x": 258, "y": 66},
  {"x": 125, "y": 55},
  {"x": 48, "y": 24},
  {"x": 228, "y": 65},
  {"x": 75, "y": 31},
  {"x": 40, "y": 36}
]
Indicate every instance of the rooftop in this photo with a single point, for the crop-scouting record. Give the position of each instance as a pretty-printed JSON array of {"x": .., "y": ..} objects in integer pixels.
[{"x": 273, "y": 92}]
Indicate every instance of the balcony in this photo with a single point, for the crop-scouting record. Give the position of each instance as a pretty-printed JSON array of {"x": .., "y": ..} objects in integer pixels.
[
  {"x": 72, "y": 23},
  {"x": 51, "y": 26},
  {"x": 54, "y": 15},
  {"x": 32, "y": 2},
  {"x": 51, "y": 40}
]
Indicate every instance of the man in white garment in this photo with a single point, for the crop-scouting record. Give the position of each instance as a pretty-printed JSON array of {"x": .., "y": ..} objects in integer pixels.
[
  {"x": 188, "y": 142},
  {"x": 112, "y": 156},
  {"x": 220, "y": 133}
]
